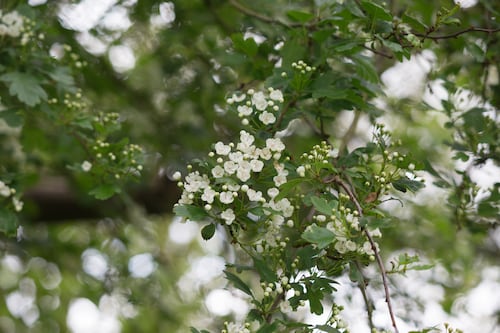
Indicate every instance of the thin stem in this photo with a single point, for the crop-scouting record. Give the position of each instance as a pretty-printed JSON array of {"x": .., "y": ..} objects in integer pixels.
[
  {"x": 250, "y": 12},
  {"x": 362, "y": 287},
  {"x": 350, "y": 131},
  {"x": 378, "y": 258},
  {"x": 456, "y": 34}
]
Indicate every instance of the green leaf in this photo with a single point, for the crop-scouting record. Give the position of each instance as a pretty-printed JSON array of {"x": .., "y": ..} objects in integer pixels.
[
  {"x": 288, "y": 187},
  {"x": 414, "y": 22},
  {"x": 208, "y": 231},
  {"x": 8, "y": 221},
  {"x": 247, "y": 46},
  {"x": 315, "y": 302},
  {"x": 353, "y": 8},
  {"x": 318, "y": 235},
  {"x": 105, "y": 191},
  {"x": 404, "y": 183},
  {"x": 62, "y": 75},
  {"x": 324, "y": 206},
  {"x": 330, "y": 93},
  {"x": 266, "y": 274},
  {"x": 238, "y": 283},
  {"x": 326, "y": 328},
  {"x": 191, "y": 212},
  {"x": 12, "y": 117},
  {"x": 299, "y": 16},
  {"x": 25, "y": 87},
  {"x": 268, "y": 328},
  {"x": 376, "y": 11}
]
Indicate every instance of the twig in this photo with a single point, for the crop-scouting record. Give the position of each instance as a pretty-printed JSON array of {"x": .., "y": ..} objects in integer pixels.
[
  {"x": 456, "y": 34},
  {"x": 378, "y": 258},
  {"x": 362, "y": 287},
  {"x": 249, "y": 12},
  {"x": 350, "y": 131}
]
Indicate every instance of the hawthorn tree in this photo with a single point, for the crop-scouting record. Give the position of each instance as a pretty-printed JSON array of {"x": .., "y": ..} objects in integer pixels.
[{"x": 342, "y": 142}]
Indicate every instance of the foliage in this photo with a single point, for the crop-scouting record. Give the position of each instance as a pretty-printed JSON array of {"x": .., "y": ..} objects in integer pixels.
[{"x": 310, "y": 154}]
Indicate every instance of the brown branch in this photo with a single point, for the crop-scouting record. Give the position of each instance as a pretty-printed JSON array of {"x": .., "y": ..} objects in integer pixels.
[
  {"x": 378, "y": 258},
  {"x": 249, "y": 12},
  {"x": 362, "y": 287},
  {"x": 456, "y": 34},
  {"x": 350, "y": 131}
]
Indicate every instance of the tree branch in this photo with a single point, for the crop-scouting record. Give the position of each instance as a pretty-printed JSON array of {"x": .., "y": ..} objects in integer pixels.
[
  {"x": 378, "y": 258},
  {"x": 456, "y": 34},
  {"x": 249, "y": 12}
]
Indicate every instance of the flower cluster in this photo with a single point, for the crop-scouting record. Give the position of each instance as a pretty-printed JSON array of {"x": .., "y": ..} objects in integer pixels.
[
  {"x": 258, "y": 108},
  {"x": 11, "y": 24},
  {"x": 6, "y": 192},
  {"x": 230, "y": 327},
  {"x": 232, "y": 184}
]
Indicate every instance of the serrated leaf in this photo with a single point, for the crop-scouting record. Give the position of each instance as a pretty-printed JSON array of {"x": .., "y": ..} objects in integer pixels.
[
  {"x": 8, "y": 221},
  {"x": 25, "y": 87},
  {"x": 208, "y": 231},
  {"x": 12, "y": 117},
  {"x": 326, "y": 328},
  {"x": 414, "y": 22},
  {"x": 105, "y": 191},
  {"x": 324, "y": 206},
  {"x": 353, "y": 8},
  {"x": 247, "y": 46},
  {"x": 299, "y": 16},
  {"x": 238, "y": 283},
  {"x": 191, "y": 212},
  {"x": 62, "y": 75},
  {"x": 265, "y": 272},
  {"x": 376, "y": 11},
  {"x": 405, "y": 183},
  {"x": 268, "y": 328},
  {"x": 320, "y": 236}
]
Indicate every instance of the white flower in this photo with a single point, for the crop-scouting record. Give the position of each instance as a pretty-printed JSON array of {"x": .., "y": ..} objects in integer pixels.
[
  {"x": 4, "y": 189},
  {"x": 243, "y": 172},
  {"x": 254, "y": 195},
  {"x": 208, "y": 195},
  {"x": 259, "y": 100},
  {"x": 256, "y": 165},
  {"x": 86, "y": 166},
  {"x": 239, "y": 98},
  {"x": 279, "y": 180},
  {"x": 301, "y": 171},
  {"x": 284, "y": 206},
  {"x": 226, "y": 197},
  {"x": 218, "y": 171},
  {"x": 276, "y": 95},
  {"x": 273, "y": 192},
  {"x": 18, "y": 204},
  {"x": 222, "y": 149},
  {"x": 13, "y": 23},
  {"x": 177, "y": 175},
  {"x": 185, "y": 198},
  {"x": 340, "y": 247},
  {"x": 267, "y": 118},
  {"x": 244, "y": 110},
  {"x": 194, "y": 182},
  {"x": 246, "y": 138},
  {"x": 228, "y": 216},
  {"x": 243, "y": 175},
  {"x": 236, "y": 328},
  {"x": 275, "y": 144},
  {"x": 233, "y": 187},
  {"x": 236, "y": 156},
  {"x": 266, "y": 154},
  {"x": 350, "y": 245},
  {"x": 230, "y": 167}
]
